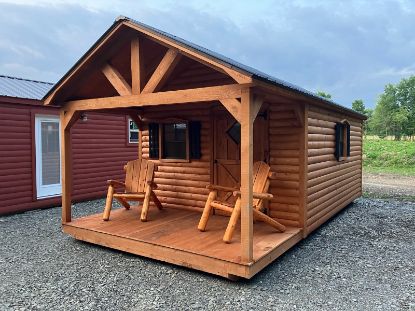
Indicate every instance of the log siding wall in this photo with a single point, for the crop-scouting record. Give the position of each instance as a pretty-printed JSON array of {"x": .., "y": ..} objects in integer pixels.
[
  {"x": 99, "y": 151},
  {"x": 331, "y": 184},
  {"x": 284, "y": 144},
  {"x": 183, "y": 184}
]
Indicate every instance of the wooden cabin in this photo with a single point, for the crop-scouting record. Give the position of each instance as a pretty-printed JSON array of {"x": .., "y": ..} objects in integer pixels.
[
  {"x": 30, "y": 154},
  {"x": 205, "y": 119}
]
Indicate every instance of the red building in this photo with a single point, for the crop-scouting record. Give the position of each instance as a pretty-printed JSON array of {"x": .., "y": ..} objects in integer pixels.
[{"x": 30, "y": 149}]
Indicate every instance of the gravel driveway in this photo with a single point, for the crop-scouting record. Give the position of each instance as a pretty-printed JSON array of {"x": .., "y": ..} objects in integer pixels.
[{"x": 361, "y": 260}]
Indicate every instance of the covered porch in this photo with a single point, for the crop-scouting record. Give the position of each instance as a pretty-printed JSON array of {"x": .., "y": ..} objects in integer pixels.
[{"x": 166, "y": 80}]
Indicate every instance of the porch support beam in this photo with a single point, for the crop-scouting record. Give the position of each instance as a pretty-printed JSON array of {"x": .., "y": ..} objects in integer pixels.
[
  {"x": 137, "y": 68},
  {"x": 233, "y": 106},
  {"x": 116, "y": 80},
  {"x": 163, "y": 71},
  {"x": 67, "y": 120},
  {"x": 249, "y": 109},
  {"x": 160, "y": 98}
]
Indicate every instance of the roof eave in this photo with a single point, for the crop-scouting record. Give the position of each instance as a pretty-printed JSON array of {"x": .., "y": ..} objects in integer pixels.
[{"x": 316, "y": 98}]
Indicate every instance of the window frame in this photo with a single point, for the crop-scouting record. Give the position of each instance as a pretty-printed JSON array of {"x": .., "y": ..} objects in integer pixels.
[
  {"x": 129, "y": 142},
  {"x": 161, "y": 142},
  {"x": 345, "y": 138}
]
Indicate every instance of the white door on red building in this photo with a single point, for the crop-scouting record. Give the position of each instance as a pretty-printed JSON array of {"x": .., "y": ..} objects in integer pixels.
[{"x": 48, "y": 165}]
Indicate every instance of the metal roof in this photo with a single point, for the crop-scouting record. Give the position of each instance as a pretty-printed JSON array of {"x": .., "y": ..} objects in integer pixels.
[
  {"x": 256, "y": 74},
  {"x": 23, "y": 88},
  {"x": 226, "y": 61}
]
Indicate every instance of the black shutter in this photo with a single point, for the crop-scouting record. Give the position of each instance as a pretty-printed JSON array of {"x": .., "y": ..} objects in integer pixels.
[
  {"x": 338, "y": 131},
  {"x": 153, "y": 130},
  {"x": 348, "y": 139},
  {"x": 194, "y": 139}
]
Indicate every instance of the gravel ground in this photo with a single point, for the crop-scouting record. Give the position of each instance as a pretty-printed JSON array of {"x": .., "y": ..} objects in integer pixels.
[{"x": 361, "y": 260}]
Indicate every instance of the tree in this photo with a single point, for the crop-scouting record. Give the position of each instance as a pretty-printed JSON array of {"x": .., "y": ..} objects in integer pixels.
[
  {"x": 359, "y": 106},
  {"x": 324, "y": 94},
  {"x": 395, "y": 111}
]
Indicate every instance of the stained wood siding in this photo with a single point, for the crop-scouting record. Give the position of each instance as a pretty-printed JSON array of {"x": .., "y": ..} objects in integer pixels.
[
  {"x": 99, "y": 149},
  {"x": 284, "y": 145},
  {"x": 331, "y": 185},
  {"x": 183, "y": 185}
]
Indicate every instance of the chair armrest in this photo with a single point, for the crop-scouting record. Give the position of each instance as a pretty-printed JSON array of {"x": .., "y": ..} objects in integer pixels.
[
  {"x": 115, "y": 183},
  {"x": 152, "y": 184},
  {"x": 256, "y": 195},
  {"x": 220, "y": 188}
]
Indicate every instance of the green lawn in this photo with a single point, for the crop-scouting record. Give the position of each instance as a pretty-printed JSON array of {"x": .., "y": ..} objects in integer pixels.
[{"x": 389, "y": 156}]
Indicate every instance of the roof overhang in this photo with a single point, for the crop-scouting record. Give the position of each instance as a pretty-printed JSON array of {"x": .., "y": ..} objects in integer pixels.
[{"x": 239, "y": 72}]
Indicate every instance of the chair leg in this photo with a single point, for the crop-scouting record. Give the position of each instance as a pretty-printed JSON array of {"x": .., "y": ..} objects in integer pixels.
[
  {"x": 124, "y": 203},
  {"x": 273, "y": 223},
  {"x": 108, "y": 203},
  {"x": 156, "y": 200},
  {"x": 206, "y": 211},
  {"x": 146, "y": 204},
  {"x": 236, "y": 214}
]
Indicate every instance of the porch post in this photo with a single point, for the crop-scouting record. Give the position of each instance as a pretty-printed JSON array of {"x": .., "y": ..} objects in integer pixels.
[
  {"x": 246, "y": 175},
  {"x": 67, "y": 119}
]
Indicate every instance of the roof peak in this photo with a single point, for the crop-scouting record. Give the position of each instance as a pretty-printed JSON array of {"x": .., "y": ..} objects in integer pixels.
[{"x": 22, "y": 79}]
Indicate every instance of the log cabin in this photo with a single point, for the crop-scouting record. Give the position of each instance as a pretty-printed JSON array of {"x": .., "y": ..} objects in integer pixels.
[
  {"x": 204, "y": 120},
  {"x": 29, "y": 149}
]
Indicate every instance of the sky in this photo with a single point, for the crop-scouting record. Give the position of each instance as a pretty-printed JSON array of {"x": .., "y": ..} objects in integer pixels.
[{"x": 350, "y": 49}]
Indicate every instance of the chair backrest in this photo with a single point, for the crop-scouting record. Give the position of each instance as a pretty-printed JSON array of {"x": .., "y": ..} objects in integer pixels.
[
  {"x": 137, "y": 174},
  {"x": 260, "y": 175}
]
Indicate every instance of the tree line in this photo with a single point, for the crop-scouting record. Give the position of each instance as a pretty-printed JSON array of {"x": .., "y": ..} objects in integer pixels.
[{"x": 394, "y": 113}]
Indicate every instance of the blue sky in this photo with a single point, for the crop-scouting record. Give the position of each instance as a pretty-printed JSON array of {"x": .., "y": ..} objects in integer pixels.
[{"x": 350, "y": 49}]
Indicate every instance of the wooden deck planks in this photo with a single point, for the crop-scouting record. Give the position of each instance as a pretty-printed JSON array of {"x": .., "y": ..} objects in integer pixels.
[{"x": 177, "y": 229}]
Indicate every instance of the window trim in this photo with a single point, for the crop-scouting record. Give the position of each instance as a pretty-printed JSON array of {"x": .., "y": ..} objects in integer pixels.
[
  {"x": 129, "y": 142},
  {"x": 161, "y": 145},
  {"x": 346, "y": 139}
]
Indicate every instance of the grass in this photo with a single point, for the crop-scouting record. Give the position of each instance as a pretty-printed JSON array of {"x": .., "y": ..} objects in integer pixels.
[{"x": 389, "y": 156}]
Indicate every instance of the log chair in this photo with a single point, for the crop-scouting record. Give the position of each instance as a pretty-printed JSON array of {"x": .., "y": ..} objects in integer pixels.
[
  {"x": 138, "y": 186},
  {"x": 261, "y": 175}
]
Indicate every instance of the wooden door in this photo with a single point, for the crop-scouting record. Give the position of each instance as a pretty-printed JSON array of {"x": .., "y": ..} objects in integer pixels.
[{"x": 227, "y": 152}]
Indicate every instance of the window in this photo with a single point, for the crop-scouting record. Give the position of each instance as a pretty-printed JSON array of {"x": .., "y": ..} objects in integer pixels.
[
  {"x": 132, "y": 132},
  {"x": 342, "y": 147},
  {"x": 176, "y": 141}
]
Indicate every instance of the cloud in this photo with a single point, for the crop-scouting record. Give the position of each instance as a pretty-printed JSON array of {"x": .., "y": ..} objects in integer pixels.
[{"x": 349, "y": 49}]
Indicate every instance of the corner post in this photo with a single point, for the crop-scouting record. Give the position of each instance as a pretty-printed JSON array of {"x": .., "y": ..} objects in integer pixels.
[
  {"x": 246, "y": 175},
  {"x": 67, "y": 119}
]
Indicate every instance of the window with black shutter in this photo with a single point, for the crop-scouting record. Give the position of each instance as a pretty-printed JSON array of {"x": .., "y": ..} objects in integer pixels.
[
  {"x": 153, "y": 131},
  {"x": 175, "y": 141},
  {"x": 194, "y": 139},
  {"x": 342, "y": 135}
]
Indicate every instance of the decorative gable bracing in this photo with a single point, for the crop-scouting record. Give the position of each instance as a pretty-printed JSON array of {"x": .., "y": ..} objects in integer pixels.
[{"x": 128, "y": 61}]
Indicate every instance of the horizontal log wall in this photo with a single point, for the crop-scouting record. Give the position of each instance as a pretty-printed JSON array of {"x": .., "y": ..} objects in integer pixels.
[
  {"x": 284, "y": 145},
  {"x": 331, "y": 184},
  {"x": 183, "y": 184},
  {"x": 99, "y": 146}
]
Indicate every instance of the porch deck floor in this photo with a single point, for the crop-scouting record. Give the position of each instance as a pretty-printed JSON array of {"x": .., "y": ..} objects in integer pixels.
[{"x": 171, "y": 235}]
